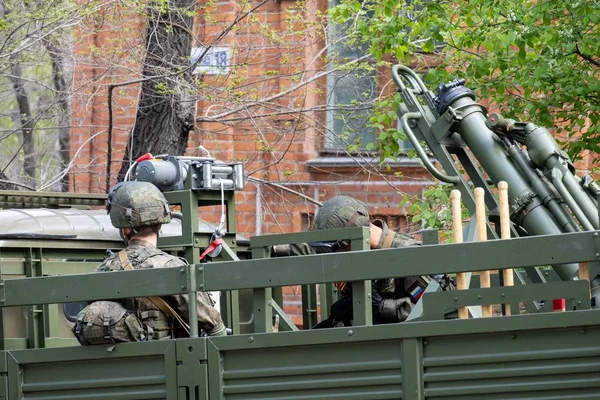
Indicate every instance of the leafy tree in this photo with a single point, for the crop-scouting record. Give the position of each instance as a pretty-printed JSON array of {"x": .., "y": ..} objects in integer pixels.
[{"x": 535, "y": 60}]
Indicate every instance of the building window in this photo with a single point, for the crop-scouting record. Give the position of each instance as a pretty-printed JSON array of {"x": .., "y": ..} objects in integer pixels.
[
  {"x": 350, "y": 100},
  {"x": 350, "y": 91}
]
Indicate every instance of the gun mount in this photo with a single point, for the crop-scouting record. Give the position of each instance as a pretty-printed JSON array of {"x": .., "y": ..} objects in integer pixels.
[
  {"x": 169, "y": 173},
  {"x": 546, "y": 197}
]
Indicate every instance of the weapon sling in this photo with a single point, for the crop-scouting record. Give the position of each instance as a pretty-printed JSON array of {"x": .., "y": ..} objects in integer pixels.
[{"x": 156, "y": 300}]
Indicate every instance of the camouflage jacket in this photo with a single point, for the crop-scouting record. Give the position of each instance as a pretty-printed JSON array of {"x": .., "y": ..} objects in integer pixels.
[{"x": 142, "y": 254}]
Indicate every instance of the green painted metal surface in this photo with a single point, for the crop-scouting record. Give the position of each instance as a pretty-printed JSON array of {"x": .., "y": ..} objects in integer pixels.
[{"x": 135, "y": 371}]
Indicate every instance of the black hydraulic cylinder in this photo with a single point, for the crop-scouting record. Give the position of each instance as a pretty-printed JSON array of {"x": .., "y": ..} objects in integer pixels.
[{"x": 527, "y": 208}]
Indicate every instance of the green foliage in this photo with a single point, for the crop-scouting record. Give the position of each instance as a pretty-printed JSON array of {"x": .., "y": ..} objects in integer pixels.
[
  {"x": 535, "y": 61},
  {"x": 433, "y": 212}
]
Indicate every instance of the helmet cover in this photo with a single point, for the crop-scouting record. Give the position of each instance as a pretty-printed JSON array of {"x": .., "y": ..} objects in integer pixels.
[
  {"x": 134, "y": 204},
  {"x": 341, "y": 212}
]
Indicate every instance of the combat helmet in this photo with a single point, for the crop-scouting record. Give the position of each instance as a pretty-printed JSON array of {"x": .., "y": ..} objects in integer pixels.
[
  {"x": 341, "y": 212},
  {"x": 134, "y": 204}
]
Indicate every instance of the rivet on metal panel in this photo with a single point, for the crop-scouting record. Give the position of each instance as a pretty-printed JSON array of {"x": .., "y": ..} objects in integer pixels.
[
  {"x": 182, "y": 270},
  {"x": 350, "y": 333},
  {"x": 251, "y": 339},
  {"x": 1, "y": 284},
  {"x": 200, "y": 269},
  {"x": 583, "y": 331},
  {"x": 2, "y": 301},
  {"x": 479, "y": 297},
  {"x": 513, "y": 336},
  {"x": 596, "y": 234},
  {"x": 597, "y": 254},
  {"x": 182, "y": 287},
  {"x": 425, "y": 342},
  {"x": 456, "y": 299},
  {"x": 503, "y": 295}
]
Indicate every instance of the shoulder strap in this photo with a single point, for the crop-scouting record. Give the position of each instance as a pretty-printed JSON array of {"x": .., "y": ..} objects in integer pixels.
[
  {"x": 389, "y": 238},
  {"x": 125, "y": 260},
  {"x": 156, "y": 300}
]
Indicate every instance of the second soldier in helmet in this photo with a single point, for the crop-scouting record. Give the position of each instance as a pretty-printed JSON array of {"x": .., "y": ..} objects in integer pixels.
[{"x": 392, "y": 298}]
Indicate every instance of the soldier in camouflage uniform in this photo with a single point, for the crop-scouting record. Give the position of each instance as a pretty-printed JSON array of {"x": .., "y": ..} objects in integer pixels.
[
  {"x": 393, "y": 298},
  {"x": 139, "y": 209}
]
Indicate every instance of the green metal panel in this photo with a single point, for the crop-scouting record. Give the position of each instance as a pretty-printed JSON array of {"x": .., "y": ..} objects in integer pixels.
[
  {"x": 412, "y": 351},
  {"x": 368, "y": 370},
  {"x": 3, "y": 376},
  {"x": 309, "y": 306},
  {"x": 36, "y": 319},
  {"x": 408, "y": 261},
  {"x": 192, "y": 369},
  {"x": 285, "y": 322},
  {"x": 262, "y": 310},
  {"x": 362, "y": 308},
  {"x": 127, "y": 371},
  {"x": 95, "y": 286},
  {"x": 577, "y": 292},
  {"x": 535, "y": 365}
]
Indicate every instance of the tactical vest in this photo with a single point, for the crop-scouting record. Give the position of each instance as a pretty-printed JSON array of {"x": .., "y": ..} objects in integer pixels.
[{"x": 104, "y": 322}]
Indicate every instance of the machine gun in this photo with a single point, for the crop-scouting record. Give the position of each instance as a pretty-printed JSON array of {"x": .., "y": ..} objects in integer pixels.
[{"x": 477, "y": 149}]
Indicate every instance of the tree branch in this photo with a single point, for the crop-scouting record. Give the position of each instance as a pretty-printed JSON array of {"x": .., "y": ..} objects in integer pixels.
[{"x": 586, "y": 57}]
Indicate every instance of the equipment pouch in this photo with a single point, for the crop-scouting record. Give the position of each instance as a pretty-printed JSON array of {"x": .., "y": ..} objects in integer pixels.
[{"x": 107, "y": 322}]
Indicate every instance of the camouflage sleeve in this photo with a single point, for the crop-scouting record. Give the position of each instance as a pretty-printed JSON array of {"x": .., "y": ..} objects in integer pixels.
[
  {"x": 209, "y": 319},
  {"x": 404, "y": 240},
  {"x": 107, "y": 264},
  {"x": 398, "y": 239}
]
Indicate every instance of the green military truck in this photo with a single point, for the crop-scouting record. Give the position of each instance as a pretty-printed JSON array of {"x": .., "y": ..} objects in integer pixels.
[{"x": 537, "y": 352}]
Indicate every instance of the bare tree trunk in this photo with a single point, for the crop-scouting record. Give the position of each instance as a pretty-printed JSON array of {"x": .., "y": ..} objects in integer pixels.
[
  {"x": 166, "y": 110},
  {"x": 59, "y": 77},
  {"x": 22, "y": 98},
  {"x": 26, "y": 123}
]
